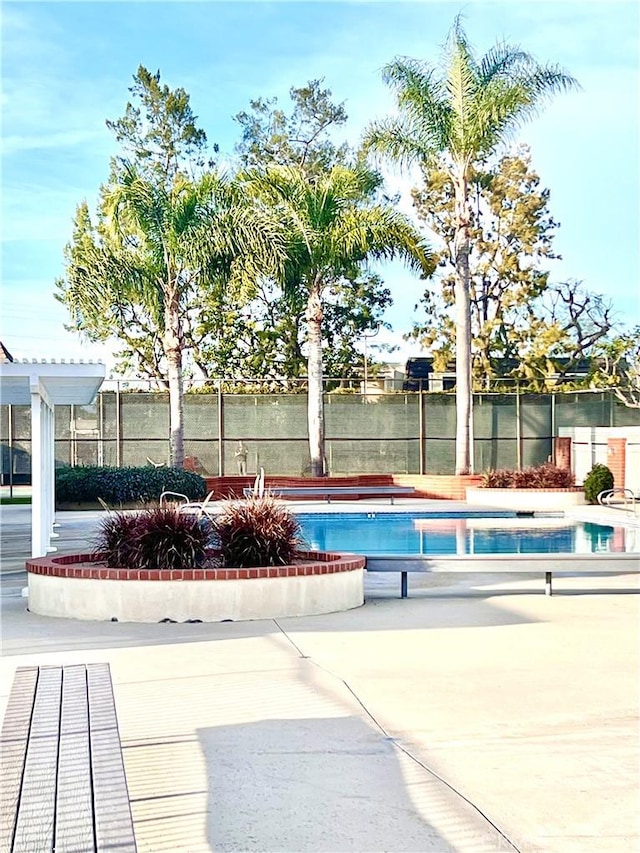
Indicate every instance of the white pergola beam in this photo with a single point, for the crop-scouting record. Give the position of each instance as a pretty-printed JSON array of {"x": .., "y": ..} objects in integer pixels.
[{"x": 36, "y": 386}]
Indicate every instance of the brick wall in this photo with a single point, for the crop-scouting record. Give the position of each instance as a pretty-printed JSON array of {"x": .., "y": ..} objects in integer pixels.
[
  {"x": 439, "y": 487},
  {"x": 562, "y": 451},
  {"x": 617, "y": 459}
]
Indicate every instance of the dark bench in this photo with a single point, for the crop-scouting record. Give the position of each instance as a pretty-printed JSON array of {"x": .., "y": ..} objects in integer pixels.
[
  {"x": 547, "y": 564},
  {"x": 63, "y": 787},
  {"x": 328, "y": 492}
]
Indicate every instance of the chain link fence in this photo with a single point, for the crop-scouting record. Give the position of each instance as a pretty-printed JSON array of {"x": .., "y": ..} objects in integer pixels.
[{"x": 375, "y": 432}]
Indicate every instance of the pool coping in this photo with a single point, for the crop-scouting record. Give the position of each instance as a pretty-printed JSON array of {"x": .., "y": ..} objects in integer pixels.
[{"x": 586, "y": 512}]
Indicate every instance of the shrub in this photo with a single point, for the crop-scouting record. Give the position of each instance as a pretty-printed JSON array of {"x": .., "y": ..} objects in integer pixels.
[
  {"x": 563, "y": 478},
  {"x": 115, "y": 538},
  {"x": 523, "y": 479},
  {"x": 496, "y": 479},
  {"x": 155, "y": 538},
  {"x": 547, "y": 476},
  {"x": 116, "y": 486},
  {"x": 257, "y": 531},
  {"x": 599, "y": 479}
]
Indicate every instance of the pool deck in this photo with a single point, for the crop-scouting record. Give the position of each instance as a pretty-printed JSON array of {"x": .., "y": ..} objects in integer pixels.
[{"x": 478, "y": 715}]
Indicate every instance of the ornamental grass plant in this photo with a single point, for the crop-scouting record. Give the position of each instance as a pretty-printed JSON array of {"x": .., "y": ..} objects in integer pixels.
[
  {"x": 257, "y": 531},
  {"x": 158, "y": 537}
]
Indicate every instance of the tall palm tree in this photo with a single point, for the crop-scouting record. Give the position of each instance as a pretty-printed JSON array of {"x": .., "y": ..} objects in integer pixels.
[
  {"x": 333, "y": 226},
  {"x": 463, "y": 112},
  {"x": 154, "y": 250}
]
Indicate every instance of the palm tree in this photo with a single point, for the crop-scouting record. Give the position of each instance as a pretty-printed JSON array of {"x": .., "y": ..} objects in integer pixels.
[
  {"x": 463, "y": 113},
  {"x": 156, "y": 247},
  {"x": 333, "y": 226}
]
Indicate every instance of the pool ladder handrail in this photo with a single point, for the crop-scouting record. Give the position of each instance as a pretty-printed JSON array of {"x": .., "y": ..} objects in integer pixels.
[{"x": 627, "y": 495}]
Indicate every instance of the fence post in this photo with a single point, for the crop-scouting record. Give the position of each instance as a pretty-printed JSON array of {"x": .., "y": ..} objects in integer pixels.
[
  {"x": 421, "y": 429},
  {"x": 72, "y": 435},
  {"x": 472, "y": 449},
  {"x": 518, "y": 429},
  {"x": 100, "y": 448},
  {"x": 10, "y": 425},
  {"x": 220, "y": 430},
  {"x": 118, "y": 426}
]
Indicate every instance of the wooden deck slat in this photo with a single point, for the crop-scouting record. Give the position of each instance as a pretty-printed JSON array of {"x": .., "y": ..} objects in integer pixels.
[
  {"x": 63, "y": 786},
  {"x": 74, "y": 804},
  {"x": 35, "y": 823},
  {"x": 113, "y": 823},
  {"x": 13, "y": 749}
]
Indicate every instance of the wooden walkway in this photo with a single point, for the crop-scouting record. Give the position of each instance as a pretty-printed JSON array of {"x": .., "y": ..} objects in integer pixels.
[{"x": 63, "y": 786}]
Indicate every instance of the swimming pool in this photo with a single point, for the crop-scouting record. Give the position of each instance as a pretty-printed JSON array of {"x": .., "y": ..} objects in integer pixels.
[{"x": 415, "y": 533}]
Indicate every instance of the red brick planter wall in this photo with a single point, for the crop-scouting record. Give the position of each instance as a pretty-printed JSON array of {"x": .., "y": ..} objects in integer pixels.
[
  {"x": 75, "y": 566},
  {"x": 80, "y": 586},
  {"x": 430, "y": 486}
]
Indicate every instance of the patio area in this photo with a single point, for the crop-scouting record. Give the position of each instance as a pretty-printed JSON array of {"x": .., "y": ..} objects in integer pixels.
[{"x": 476, "y": 715}]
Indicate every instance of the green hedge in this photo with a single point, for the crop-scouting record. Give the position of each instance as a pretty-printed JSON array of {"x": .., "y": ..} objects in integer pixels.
[{"x": 125, "y": 485}]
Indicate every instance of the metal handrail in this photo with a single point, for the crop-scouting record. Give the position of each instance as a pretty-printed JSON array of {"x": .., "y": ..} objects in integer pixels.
[
  {"x": 258, "y": 486},
  {"x": 627, "y": 495}
]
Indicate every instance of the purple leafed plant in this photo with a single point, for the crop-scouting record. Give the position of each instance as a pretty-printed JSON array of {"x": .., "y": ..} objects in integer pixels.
[
  {"x": 158, "y": 537},
  {"x": 258, "y": 531}
]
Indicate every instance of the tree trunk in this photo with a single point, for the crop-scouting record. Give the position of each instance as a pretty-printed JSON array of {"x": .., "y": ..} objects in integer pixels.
[
  {"x": 173, "y": 352},
  {"x": 315, "y": 402},
  {"x": 463, "y": 329}
]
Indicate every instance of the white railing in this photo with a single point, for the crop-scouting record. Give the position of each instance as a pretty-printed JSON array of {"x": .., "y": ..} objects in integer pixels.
[{"x": 612, "y": 498}]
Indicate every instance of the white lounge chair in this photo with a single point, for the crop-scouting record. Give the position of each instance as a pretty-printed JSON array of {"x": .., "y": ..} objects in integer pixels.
[{"x": 198, "y": 508}]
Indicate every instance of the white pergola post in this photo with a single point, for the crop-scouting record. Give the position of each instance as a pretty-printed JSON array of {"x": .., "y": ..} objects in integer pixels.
[
  {"x": 50, "y": 467},
  {"x": 42, "y": 470},
  {"x": 42, "y": 386},
  {"x": 38, "y": 546}
]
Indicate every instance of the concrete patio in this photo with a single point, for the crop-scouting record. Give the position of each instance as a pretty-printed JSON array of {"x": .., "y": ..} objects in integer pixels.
[{"x": 477, "y": 715}]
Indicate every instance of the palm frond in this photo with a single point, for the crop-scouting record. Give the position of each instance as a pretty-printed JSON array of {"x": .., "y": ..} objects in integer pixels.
[
  {"x": 333, "y": 223},
  {"x": 394, "y": 140},
  {"x": 461, "y": 89},
  {"x": 500, "y": 61},
  {"x": 422, "y": 99},
  {"x": 542, "y": 82},
  {"x": 464, "y": 107}
]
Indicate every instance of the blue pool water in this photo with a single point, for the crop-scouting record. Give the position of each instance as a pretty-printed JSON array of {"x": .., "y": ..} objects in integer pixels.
[{"x": 422, "y": 533}]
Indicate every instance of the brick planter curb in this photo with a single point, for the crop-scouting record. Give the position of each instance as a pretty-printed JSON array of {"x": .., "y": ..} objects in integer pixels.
[{"x": 75, "y": 566}]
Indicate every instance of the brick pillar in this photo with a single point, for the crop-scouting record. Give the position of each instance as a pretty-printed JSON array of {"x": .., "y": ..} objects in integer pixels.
[
  {"x": 616, "y": 460},
  {"x": 562, "y": 452}
]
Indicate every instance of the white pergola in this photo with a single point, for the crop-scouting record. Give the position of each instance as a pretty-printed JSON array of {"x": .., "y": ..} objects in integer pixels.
[{"x": 43, "y": 385}]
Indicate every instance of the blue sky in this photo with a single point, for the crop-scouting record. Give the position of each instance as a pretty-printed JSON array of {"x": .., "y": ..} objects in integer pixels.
[{"x": 67, "y": 66}]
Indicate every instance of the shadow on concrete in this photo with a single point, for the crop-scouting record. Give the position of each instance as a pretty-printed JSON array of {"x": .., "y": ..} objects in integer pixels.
[
  {"x": 331, "y": 784},
  {"x": 281, "y": 757},
  {"x": 562, "y": 591},
  {"x": 23, "y": 632}
]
